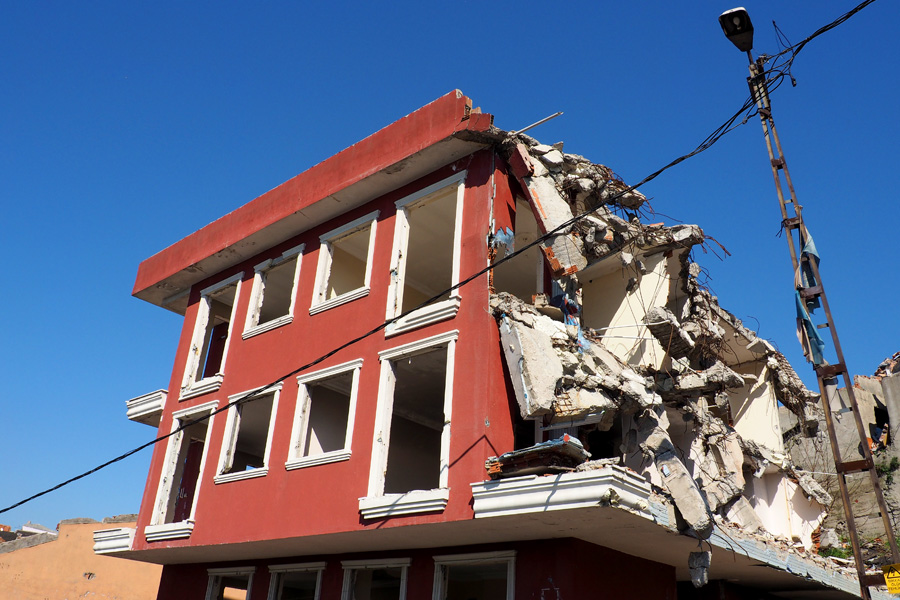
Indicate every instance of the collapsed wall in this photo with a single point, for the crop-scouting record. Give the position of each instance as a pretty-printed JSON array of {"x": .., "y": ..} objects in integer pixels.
[{"x": 666, "y": 404}]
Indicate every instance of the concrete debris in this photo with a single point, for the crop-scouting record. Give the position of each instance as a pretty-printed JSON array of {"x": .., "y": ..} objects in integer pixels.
[
  {"x": 655, "y": 443},
  {"x": 829, "y": 539},
  {"x": 888, "y": 366},
  {"x": 791, "y": 392},
  {"x": 555, "y": 456},
  {"x": 666, "y": 329},
  {"x": 740, "y": 512},
  {"x": 667, "y": 405},
  {"x": 698, "y": 563},
  {"x": 810, "y": 486}
]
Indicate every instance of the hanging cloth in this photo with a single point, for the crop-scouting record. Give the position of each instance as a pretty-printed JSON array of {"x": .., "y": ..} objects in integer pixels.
[{"x": 807, "y": 334}]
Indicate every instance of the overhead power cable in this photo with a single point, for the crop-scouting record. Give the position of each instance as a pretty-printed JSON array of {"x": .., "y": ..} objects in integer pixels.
[{"x": 746, "y": 110}]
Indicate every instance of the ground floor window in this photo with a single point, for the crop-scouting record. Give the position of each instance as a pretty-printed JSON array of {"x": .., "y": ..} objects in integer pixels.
[
  {"x": 300, "y": 581},
  {"x": 229, "y": 583},
  {"x": 375, "y": 580},
  {"x": 479, "y": 576}
]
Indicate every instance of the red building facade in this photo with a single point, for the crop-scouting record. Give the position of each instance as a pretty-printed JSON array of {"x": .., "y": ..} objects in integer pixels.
[{"x": 316, "y": 452}]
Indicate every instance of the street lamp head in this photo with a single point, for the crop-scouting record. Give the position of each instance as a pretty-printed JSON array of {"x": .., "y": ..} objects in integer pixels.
[{"x": 738, "y": 28}]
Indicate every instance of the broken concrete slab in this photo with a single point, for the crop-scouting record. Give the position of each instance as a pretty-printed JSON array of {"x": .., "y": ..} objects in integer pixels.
[{"x": 533, "y": 366}]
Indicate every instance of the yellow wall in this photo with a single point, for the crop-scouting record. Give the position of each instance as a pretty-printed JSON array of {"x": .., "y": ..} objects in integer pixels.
[{"x": 68, "y": 568}]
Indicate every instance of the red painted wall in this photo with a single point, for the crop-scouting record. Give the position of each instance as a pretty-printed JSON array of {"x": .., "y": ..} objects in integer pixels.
[
  {"x": 561, "y": 569},
  {"x": 324, "y": 499}
]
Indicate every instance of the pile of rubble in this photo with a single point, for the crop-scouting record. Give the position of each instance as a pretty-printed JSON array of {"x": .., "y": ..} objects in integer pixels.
[{"x": 562, "y": 372}]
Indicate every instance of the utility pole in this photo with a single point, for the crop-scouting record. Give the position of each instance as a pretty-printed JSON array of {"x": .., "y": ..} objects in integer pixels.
[{"x": 810, "y": 293}]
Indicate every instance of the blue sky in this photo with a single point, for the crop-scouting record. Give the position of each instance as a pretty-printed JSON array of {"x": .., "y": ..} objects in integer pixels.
[{"x": 126, "y": 126}]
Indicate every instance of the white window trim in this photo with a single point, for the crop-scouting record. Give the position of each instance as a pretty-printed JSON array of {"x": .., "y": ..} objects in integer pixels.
[
  {"x": 189, "y": 387},
  {"x": 439, "y": 311},
  {"x": 378, "y": 504},
  {"x": 276, "y": 570},
  {"x": 384, "y": 563},
  {"x": 157, "y": 529},
  {"x": 258, "y": 293},
  {"x": 215, "y": 574},
  {"x": 475, "y": 558},
  {"x": 232, "y": 427},
  {"x": 323, "y": 270},
  {"x": 301, "y": 413}
]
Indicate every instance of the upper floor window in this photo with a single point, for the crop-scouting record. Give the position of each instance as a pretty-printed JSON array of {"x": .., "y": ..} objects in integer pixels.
[
  {"x": 248, "y": 435},
  {"x": 426, "y": 254},
  {"x": 323, "y": 424},
  {"x": 411, "y": 449},
  {"x": 345, "y": 263},
  {"x": 176, "y": 498},
  {"x": 299, "y": 581},
  {"x": 209, "y": 344},
  {"x": 384, "y": 579},
  {"x": 274, "y": 293}
]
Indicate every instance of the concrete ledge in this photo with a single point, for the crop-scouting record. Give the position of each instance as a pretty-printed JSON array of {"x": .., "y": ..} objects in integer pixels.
[
  {"x": 119, "y": 539},
  {"x": 609, "y": 486},
  {"x": 147, "y": 408}
]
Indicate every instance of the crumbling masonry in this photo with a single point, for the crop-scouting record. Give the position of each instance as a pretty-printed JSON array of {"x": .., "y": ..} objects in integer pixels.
[{"x": 632, "y": 358}]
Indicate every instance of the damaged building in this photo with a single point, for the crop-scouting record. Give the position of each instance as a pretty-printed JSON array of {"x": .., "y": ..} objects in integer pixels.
[{"x": 541, "y": 401}]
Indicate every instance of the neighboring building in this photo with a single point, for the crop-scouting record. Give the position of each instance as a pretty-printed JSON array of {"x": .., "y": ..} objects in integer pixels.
[
  {"x": 445, "y": 456},
  {"x": 55, "y": 565}
]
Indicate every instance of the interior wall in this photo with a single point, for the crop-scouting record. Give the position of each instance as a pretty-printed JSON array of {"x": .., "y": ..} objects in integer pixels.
[
  {"x": 609, "y": 307},
  {"x": 754, "y": 408}
]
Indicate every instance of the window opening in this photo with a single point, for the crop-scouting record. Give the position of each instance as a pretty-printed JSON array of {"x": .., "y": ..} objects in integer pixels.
[
  {"x": 252, "y": 425},
  {"x": 221, "y": 303},
  {"x": 279, "y": 285},
  {"x": 429, "y": 253},
  {"x": 417, "y": 422},
  {"x": 345, "y": 258},
  {"x": 188, "y": 461},
  {"x": 323, "y": 426},
  {"x": 425, "y": 255},
  {"x": 176, "y": 497},
  {"x": 524, "y": 276},
  {"x": 475, "y": 582},
  {"x": 375, "y": 583},
  {"x": 274, "y": 292},
  {"x": 480, "y": 576},
  {"x": 229, "y": 586},
  {"x": 248, "y": 435},
  {"x": 329, "y": 407},
  {"x": 296, "y": 582}
]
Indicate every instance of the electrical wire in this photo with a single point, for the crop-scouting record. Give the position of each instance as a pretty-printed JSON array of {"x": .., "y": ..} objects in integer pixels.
[{"x": 729, "y": 125}]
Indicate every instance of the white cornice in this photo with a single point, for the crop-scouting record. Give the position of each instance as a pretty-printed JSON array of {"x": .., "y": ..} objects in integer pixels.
[
  {"x": 107, "y": 541},
  {"x": 147, "y": 408}
]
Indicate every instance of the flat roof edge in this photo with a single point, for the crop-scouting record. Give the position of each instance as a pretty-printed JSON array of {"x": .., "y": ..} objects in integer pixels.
[{"x": 167, "y": 272}]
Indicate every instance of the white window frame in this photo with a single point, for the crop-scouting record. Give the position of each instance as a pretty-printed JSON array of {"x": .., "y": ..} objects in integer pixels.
[
  {"x": 441, "y": 563},
  {"x": 252, "y": 326},
  {"x": 158, "y": 529},
  {"x": 215, "y": 578},
  {"x": 277, "y": 570},
  {"x": 385, "y": 563},
  {"x": 189, "y": 386},
  {"x": 438, "y": 311},
  {"x": 300, "y": 428},
  {"x": 323, "y": 271},
  {"x": 378, "y": 504},
  {"x": 232, "y": 428}
]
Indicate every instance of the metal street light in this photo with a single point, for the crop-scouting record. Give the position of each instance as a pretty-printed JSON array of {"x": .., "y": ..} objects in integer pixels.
[{"x": 811, "y": 293}]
